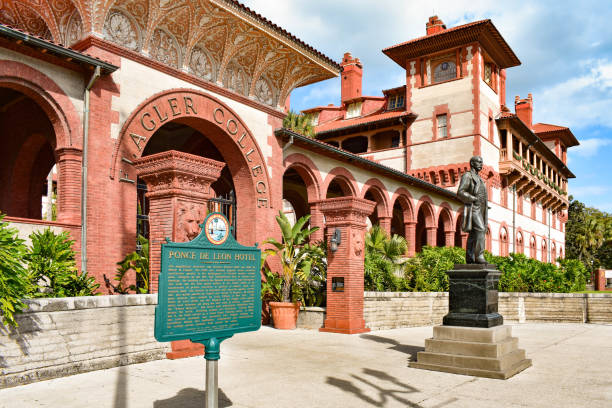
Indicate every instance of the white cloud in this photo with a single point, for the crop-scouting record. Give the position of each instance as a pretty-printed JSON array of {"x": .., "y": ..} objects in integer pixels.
[{"x": 589, "y": 147}]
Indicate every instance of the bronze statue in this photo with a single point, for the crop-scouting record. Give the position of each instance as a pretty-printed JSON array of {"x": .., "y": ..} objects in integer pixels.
[{"x": 473, "y": 192}]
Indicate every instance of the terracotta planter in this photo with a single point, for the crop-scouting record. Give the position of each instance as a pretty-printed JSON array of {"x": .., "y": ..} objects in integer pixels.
[{"x": 284, "y": 314}]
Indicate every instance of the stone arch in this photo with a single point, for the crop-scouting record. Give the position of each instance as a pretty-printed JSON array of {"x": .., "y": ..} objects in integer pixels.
[
  {"x": 344, "y": 178},
  {"x": 533, "y": 249},
  {"x": 544, "y": 249},
  {"x": 460, "y": 236},
  {"x": 445, "y": 234},
  {"x": 504, "y": 240},
  {"x": 520, "y": 241},
  {"x": 378, "y": 193},
  {"x": 404, "y": 198},
  {"x": 49, "y": 96},
  {"x": 222, "y": 126},
  {"x": 309, "y": 173},
  {"x": 426, "y": 230}
]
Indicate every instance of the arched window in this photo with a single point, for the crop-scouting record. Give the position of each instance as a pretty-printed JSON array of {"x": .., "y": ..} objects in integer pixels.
[
  {"x": 444, "y": 71},
  {"x": 503, "y": 241},
  {"x": 520, "y": 245},
  {"x": 544, "y": 251},
  {"x": 532, "y": 248}
]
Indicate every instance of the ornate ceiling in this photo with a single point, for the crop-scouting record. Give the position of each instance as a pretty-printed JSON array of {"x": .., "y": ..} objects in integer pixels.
[{"x": 220, "y": 41}]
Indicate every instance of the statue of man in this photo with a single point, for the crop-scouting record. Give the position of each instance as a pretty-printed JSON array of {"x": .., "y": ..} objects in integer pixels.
[{"x": 473, "y": 192}]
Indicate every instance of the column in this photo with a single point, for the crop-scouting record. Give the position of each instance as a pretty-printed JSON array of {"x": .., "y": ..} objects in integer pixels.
[
  {"x": 449, "y": 238},
  {"x": 432, "y": 235},
  {"x": 345, "y": 266},
  {"x": 69, "y": 162},
  {"x": 178, "y": 189},
  {"x": 316, "y": 220},
  {"x": 410, "y": 231},
  {"x": 385, "y": 224}
]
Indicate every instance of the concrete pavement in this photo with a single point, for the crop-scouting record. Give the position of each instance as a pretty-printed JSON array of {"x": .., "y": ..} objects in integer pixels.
[{"x": 304, "y": 368}]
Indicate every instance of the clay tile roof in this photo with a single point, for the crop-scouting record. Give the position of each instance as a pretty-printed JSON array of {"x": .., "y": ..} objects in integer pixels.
[
  {"x": 482, "y": 31},
  {"x": 53, "y": 47},
  {"x": 547, "y": 131},
  {"x": 282, "y": 31},
  {"x": 379, "y": 116}
]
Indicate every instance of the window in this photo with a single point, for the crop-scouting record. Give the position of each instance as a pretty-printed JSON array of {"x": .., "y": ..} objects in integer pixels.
[
  {"x": 395, "y": 101},
  {"x": 488, "y": 74},
  {"x": 354, "y": 110},
  {"x": 445, "y": 71},
  {"x": 442, "y": 128},
  {"x": 313, "y": 118}
]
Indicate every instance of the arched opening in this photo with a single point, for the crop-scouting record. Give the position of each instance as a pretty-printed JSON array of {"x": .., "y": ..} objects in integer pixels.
[
  {"x": 398, "y": 222},
  {"x": 380, "y": 216},
  {"x": 544, "y": 251},
  {"x": 28, "y": 142},
  {"x": 532, "y": 247},
  {"x": 444, "y": 227},
  {"x": 338, "y": 187},
  {"x": 520, "y": 243},
  {"x": 488, "y": 243},
  {"x": 185, "y": 138},
  {"x": 425, "y": 234},
  {"x": 295, "y": 195},
  {"x": 503, "y": 242},
  {"x": 357, "y": 144}
]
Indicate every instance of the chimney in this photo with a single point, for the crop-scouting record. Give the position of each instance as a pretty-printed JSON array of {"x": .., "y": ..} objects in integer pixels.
[
  {"x": 524, "y": 110},
  {"x": 352, "y": 72},
  {"x": 434, "y": 25}
]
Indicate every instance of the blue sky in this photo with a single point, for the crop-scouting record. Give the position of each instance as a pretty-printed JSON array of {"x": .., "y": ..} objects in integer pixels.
[{"x": 565, "y": 49}]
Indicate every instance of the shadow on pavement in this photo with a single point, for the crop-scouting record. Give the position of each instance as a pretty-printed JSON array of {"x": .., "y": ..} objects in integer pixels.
[
  {"x": 395, "y": 345},
  {"x": 191, "y": 398},
  {"x": 393, "y": 389}
]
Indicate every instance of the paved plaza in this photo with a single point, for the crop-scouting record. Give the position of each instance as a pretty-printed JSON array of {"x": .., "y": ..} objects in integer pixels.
[{"x": 304, "y": 368}]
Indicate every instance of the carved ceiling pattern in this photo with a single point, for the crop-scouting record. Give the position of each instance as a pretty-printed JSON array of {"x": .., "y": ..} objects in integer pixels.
[{"x": 212, "y": 39}]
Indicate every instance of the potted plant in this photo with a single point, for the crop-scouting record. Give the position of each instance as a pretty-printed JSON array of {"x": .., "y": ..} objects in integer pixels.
[{"x": 296, "y": 265}]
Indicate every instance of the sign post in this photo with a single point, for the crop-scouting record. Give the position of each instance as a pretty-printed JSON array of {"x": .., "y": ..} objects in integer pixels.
[{"x": 209, "y": 289}]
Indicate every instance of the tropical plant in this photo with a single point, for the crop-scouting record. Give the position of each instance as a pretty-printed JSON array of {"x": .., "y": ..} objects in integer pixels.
[
  {"x": 298, "y": 123},
  {"x": 384, "y": 260},
  {"x": 14, "y": 283},
  {"x": 271, "y": 287},
  {"x": 294, "y": 256},
  {"x": 138, "y": 261},
  {"x": 426, "y": 272}
]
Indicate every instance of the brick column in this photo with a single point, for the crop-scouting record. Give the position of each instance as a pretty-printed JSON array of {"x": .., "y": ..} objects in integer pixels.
[
  {"x": 345, "y": 308},
  {"x": 178, "y": 188},
  {"x": 410, "y": 232},
  {"x": 449, "y": 238},
  {"x": 316, "y": 220},
  {"x": 69, "y": 161},
  {"x": 432, "y": 235},
  {"x": 464, "y": 238},
  {"x": 385, "y": 224}
]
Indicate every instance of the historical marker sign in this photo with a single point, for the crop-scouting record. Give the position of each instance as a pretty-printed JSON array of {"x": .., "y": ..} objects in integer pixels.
[{"x": 209, "y": 288}]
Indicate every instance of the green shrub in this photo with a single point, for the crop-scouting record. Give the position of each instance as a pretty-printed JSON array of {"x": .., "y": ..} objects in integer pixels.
[
  {"x": 137, "y": 261},
  {"x": 14, "y": 283},
  {"x": 383, "y": 261},
  {"x": 51, "y": 264},
  {"x": 426, "y": 272}
]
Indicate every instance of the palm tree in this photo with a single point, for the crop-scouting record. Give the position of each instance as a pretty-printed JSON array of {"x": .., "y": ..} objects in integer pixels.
[
  {"x": 291, "y": 252},
  {"x": 298, "y": 123}
]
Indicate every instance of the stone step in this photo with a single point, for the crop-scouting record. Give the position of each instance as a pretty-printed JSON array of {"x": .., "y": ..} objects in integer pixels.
[
  {"x": 473, "y": 334},
  {"x": 476, "y": 349},
  {"x": 480, "y": 363},
  {"x": 496, "y": 374}
]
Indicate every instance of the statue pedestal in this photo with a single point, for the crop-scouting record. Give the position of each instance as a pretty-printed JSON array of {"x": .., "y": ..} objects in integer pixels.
[
  {"x": 481, "y": 352},
  {"x": 472, "y": 299},
  {"x": 472, "y": 339}
]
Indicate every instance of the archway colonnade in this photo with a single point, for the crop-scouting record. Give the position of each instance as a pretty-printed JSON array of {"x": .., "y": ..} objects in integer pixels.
[{"x": 413, "y": 216}]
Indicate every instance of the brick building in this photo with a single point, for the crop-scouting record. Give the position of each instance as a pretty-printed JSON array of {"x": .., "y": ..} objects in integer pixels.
[{"x": 191, "y": 97}]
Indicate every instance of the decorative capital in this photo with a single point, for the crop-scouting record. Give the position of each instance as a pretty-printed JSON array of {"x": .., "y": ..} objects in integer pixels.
[
  {"x": 178, "y": 173},
  {"x": 346, "y": 210}
]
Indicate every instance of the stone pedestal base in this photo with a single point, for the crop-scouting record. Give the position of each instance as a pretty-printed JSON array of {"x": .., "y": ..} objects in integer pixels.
[
  {"x": 481, "y": 352},
  {"x": 184, "y": 348},
  {"x": 345, "y": 326}
]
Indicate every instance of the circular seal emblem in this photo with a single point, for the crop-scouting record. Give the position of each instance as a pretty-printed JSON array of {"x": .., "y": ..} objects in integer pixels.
[{"x": 216, "y": 228}]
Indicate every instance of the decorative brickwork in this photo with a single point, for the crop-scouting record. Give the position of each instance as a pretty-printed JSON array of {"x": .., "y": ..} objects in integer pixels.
[{"x": 345, "y": 309}]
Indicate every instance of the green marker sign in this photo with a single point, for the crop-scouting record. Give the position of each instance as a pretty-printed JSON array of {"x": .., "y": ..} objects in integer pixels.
[{"x": 209, "y": 288}]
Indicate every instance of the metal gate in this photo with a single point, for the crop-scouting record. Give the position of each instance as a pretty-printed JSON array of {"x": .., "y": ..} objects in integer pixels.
[{"x": 226, "y": 205}]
